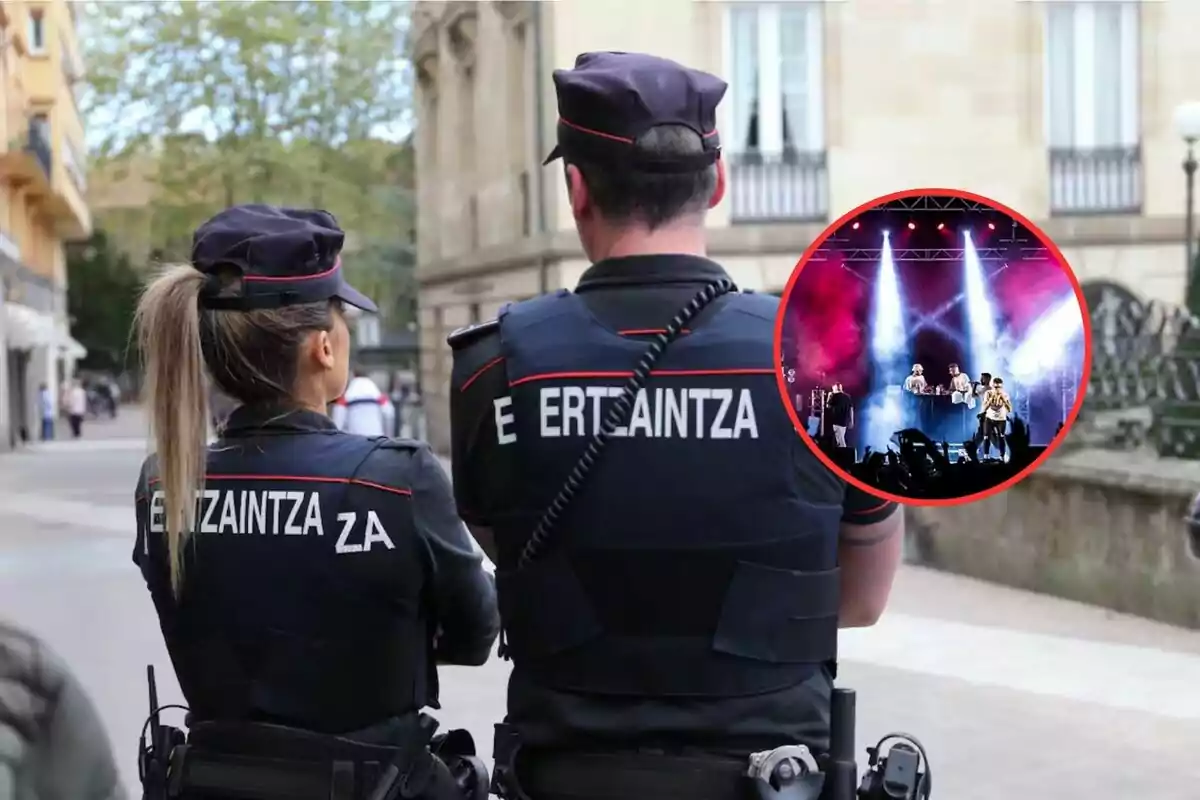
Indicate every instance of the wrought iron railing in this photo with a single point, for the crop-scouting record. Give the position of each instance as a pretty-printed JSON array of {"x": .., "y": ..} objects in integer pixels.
[
  {"x": 787, "y": 187},
  {"x": 1144, "y": 389},
  {"x": 1096, "y": 180}
]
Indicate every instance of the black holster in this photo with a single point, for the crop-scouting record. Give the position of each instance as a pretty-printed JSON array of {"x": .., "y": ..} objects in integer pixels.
[{"x": 505, "y": 748}]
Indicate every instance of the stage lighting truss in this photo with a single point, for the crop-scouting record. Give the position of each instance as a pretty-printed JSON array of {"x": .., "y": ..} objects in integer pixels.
[
  {"x": 986, "y": 254},
  {"x": 933, "y": 203}
]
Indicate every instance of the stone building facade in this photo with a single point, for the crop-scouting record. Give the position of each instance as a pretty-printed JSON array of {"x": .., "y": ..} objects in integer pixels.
[{"x": 1062, "y": 111}]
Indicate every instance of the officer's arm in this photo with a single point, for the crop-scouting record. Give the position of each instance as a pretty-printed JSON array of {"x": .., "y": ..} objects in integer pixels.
[
  {"x": 869, "y": 551},
  {"x": 141, "y": 505},
  {"x": 142, "y": 499},
  {"x": 464, "y": 594},
  {"x": 149, "y": 548},
  {"x": 483, "y": 473}
]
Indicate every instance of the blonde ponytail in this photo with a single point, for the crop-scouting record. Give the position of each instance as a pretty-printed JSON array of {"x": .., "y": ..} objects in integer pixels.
[{"x": 167, "y": 322}]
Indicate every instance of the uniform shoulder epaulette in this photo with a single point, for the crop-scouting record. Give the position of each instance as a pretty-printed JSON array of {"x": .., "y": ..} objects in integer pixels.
[
  {"x": 399, "y": 443},
  {"x": 471, "y": 333}
]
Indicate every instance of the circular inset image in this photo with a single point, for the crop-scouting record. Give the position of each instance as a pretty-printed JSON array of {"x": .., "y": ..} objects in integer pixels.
[{"x": 934, "y": 347}]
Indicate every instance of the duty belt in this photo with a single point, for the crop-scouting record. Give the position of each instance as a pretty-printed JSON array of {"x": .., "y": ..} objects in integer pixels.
[
  {"x": 266, "y": 762},
  {"x": 224, "y": 775},
  {"x": 672, "y": 777}
]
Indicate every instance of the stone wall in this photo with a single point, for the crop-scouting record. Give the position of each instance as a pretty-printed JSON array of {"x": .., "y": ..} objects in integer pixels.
[{"x": 1097, "y": 526}]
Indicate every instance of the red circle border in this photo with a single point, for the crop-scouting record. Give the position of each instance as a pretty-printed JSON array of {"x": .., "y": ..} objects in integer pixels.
[{"x": 1043, "y": 239}]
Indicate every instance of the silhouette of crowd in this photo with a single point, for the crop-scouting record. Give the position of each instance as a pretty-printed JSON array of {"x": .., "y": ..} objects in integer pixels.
[{"x": 920, "y": 468}]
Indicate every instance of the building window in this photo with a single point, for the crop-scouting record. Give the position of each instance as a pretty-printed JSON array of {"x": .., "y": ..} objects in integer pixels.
[
  {"x": 1092, "y": 107},
  {"x": 467, "y": 122},
  {"x": 39, "y": 140},
  {"x": 37, "y": 31},
  {"x": 775, "y": 111},
  {"x": 74, "y": 164},
  {"x": 367, "y": 330},
  {"x": 775, "y": 93},
  {"x": 472, "y": 223},
  {"x": 525, "y": 198},
  {"x": 475, "y": 313}
]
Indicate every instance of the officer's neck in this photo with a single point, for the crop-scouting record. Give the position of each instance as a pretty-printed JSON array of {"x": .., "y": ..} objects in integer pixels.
[
  {"x": 683, "y": 240},
  {"x": 311, "y": 400}
]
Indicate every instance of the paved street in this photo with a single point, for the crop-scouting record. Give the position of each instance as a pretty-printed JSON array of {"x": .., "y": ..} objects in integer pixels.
[{"x": 1014, "y": 695}]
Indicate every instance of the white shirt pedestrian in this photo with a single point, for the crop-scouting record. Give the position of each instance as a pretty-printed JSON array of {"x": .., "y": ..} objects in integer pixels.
[
  {"x": 77, "y": 401},
  {"x": 364, "y": 409}
]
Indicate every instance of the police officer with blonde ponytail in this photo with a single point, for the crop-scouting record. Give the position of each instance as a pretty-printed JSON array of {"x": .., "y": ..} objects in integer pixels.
[{"x": 307, "y": 581}]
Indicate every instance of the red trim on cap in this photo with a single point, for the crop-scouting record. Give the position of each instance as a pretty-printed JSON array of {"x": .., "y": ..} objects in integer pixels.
[
  {"x": 601, "y": 134},
  {"x": 614, "y": 137},
  {"x": 337, "y": 264}
]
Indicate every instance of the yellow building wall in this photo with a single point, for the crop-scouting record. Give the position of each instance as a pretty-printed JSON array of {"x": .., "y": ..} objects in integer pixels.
[{"x": 41, "y": 80}]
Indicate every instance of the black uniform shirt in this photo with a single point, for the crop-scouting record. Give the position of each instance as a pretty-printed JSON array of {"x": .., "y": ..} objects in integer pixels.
[
  {"x": 636, "y": 295},
  {"x": 384, "y": 551}
]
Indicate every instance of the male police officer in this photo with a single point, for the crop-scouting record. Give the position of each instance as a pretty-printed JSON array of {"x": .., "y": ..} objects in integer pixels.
[{"x": 690, "y": 600}]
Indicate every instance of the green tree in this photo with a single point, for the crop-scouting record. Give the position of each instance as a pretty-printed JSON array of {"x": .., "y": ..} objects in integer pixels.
[
  {"x": 102, "y": 293},
  {"x": 287, "y": 103}
]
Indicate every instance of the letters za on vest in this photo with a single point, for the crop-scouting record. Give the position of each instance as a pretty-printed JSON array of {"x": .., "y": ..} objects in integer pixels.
[{"x": 276, "y": 512}]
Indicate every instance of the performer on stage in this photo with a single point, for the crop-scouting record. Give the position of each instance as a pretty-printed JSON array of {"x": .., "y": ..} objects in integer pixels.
[
  {"x": 982, "y": 385},
  {"x": 839, "y": 411},
  {"x": 960, "y": 388},
  {"x": 915, "y": 382},
  {"x": 996, "y": 408}
]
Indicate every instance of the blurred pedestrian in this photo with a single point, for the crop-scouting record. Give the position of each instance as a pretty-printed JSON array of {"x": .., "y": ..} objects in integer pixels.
[
  {"x": 364, "y": 409},
  {"x": 77, "y": 408},
  {"x": 48, "y": 409},
  {"x": 52, "y": 743}
]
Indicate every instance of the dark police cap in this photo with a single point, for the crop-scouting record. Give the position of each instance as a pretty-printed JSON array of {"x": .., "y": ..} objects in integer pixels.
[
  {"x": 610, "y": 99},
  {"x": 284, "y": 256}
]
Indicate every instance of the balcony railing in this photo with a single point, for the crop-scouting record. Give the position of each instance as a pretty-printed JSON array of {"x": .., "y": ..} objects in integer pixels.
[
  {"x": 38, "y": 145},
  {"x": 785, "y": 187},
  {"x": 1095, "y": 181},
  {"x": 30, "y": 289}
]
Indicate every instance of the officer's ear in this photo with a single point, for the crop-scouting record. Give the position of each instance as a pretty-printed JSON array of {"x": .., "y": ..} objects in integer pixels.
[
  {"x": 577, "y": 191},
  {"x": 321, "y": 347},
  {"x": 719, "y": 190}
]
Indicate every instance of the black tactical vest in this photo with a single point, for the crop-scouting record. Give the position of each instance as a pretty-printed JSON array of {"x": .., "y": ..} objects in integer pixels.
[
  {"x": 691, "y": 564},
  {"x": 294, "y": 608}
]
